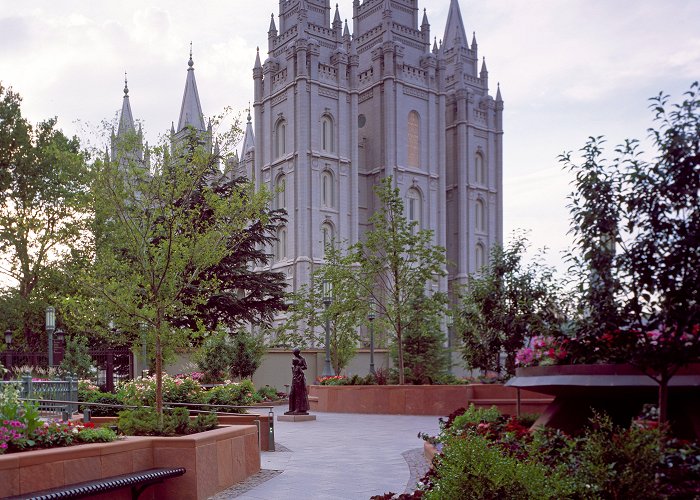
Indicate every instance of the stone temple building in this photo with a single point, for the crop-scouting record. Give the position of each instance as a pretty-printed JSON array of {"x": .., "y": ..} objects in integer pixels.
[{"x": 337, "y": 109}]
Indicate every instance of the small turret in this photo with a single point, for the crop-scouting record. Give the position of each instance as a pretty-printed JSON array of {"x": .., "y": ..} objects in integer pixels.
[
  {"x": 191, "y": 109},
  {"x": 337, "y": 23},
  {"x": 474, "y": 44}
]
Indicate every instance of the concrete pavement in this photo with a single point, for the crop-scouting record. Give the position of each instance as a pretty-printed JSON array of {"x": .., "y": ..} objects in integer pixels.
[{"x": 339, "y": 456}]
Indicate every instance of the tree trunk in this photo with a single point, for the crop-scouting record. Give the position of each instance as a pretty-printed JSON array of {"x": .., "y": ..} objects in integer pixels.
[
  {"x": 399, "y": 347},
  {"x": 159, "y": 371}
]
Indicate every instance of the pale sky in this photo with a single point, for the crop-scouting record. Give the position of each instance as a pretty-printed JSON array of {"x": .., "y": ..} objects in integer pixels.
[{"x": 568, "y": 69}]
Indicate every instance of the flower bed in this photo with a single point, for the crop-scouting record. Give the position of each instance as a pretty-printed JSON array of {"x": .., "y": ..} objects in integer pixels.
[
  {"x": 214, "y": 460},
  {"x": 421, "y": 399}
]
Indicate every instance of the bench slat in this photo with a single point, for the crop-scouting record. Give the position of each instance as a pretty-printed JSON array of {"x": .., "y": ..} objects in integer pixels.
[{"x": 106, "y": 484}]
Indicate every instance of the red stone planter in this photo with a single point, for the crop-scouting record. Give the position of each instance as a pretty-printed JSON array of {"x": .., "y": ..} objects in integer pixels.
[
  {"x": 215, "y": 460},
  {"x": 422, "y": 399}
]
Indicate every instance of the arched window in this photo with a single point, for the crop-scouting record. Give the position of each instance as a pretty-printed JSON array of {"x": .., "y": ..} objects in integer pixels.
[
  {"x": 327, "y": 235},
  {"x": 414, "y": 206},
  {"x": 413, "y": 139},
  {"x": 480, "y": 215},
  {"x": 280, "y": 191},
  {"x": 281, "y": 244},
  {"x": 480, "y": 254},
  {"x": 280, "y": 138},
  {"x": 327, "y": 135},
  {"x": 479, "y": 169},
  {"x": 327, "y": 199}
]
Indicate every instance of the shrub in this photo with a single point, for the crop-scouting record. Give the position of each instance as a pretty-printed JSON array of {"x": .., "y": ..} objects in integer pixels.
[
  {"x": 103, "y": 398},
  {"x": 471, "y": 469},
  {"x": 144, "y": 422},
  {"x": 334, "y": 380},
  {"x": 618, "y": 463},
  {"x": 76, "y": 357},
  {"x": 474, "y": 416},
  {"x": 267, "y": 393},
  {"x": 142, "y": 392},
  {"x": 232, "y": 394},
  {"x": 96, "y": 435}
]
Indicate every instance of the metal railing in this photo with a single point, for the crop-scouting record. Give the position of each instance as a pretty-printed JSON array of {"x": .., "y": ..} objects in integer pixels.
[{"x": 55, "y": 397}]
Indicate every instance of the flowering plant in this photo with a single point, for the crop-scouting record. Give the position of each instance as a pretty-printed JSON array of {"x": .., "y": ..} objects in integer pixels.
[
  {"x": 542, "y": 351},
  {"x": 142, "y": 392},
  {"x": 334, "y": 380}
]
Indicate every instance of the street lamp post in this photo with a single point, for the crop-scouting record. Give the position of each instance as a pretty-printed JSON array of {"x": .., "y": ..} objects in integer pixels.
[
  {"x": 370, "y": 317},
  {"x": 327, "y": 300},
  {"x": 50, "y": 327},
  {"x": 8, "y": 343}
]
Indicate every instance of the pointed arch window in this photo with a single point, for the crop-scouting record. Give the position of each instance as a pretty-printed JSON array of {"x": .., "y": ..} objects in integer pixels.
[
  {"x": 479, "y": 169},
  {"x": 280, "y": 138},
  {"x": 327, "y": 189},
  {"x": 414, "y": 206},
  {"x": 327, "y": 134},
  {"x": 413, "y": 139},
  {"x": 480, "y": 257},
  {"x": 480, "y": 214},
  {"x": 281, "y": 244},
  {"x": 327, "y": 235},
  {"x": 280, "y": 191}
]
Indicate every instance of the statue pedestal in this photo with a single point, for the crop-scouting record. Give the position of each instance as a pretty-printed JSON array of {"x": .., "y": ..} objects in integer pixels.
[{"x": 295, "y": 418}]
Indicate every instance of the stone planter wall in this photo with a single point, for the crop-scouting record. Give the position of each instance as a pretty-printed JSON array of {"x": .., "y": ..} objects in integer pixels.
[
  {"x": 265, "y": 421},
  {"x": 422, "y": 399},
  {"x": 215, "y": 460}
]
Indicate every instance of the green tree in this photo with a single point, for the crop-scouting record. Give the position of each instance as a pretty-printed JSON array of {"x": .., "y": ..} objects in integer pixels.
[
  {"x": 44, "y": 211},
  {"x": 161, "y": 231},
  {"x": 223, "y": 355},
  {"x": 307, "y": 312},
  {"x": 650, "y": 244},
  {"x": 392, "y": 268},
  {"x": 76, "y": 358},
  {"x": 504, "y": 306},
  {"x": 425, "y": 356}
]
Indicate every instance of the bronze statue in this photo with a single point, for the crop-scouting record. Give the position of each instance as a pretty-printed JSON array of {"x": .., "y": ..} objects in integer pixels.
[{"x": 298, "y": 395}]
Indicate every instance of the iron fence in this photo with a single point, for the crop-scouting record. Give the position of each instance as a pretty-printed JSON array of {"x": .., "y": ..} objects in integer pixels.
[{"x": 55, "y": 397}]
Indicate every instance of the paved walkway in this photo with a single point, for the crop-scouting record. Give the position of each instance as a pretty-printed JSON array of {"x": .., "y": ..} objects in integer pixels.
[{"x": 339, "y": 456}]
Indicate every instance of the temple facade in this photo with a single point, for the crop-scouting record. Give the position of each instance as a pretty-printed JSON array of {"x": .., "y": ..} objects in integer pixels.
[{"x": 337, "y": 110}]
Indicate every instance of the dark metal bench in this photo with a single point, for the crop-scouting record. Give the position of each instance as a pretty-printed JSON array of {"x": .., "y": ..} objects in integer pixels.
[{"x": 138, "y": 481}]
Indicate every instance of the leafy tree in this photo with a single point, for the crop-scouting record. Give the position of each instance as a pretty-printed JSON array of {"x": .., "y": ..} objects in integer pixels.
[
  {"x": 504, "y": 306},
  {"x": 76, "y": 358},
  {"x": 44, "y": 211},
  {"x": 247, "y": 292},
  {"x": 425, "y": 357},
  {"x": 392, "y": 268},
  {"x": 225, "y": 356},
  {"x": 162, "y": 231},
  {"x": 651, "y": 241},
  {"x": 307, "y": 313},
  {"x": 248, "y": 351}
]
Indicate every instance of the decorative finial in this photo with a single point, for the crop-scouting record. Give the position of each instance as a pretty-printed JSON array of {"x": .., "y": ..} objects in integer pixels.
[
  {"x": 126, "y": 87},
  {"x": 249, "y": 118},
  {"x": 190, "y": 63}
]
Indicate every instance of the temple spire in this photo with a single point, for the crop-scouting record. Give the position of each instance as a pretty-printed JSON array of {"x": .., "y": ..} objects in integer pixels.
[
  {"x": 249, "y": 137},
  {"x": 454, "y": 28},
  {"x": 191, "y": 109},
  {"x": 126, "y": 119}
]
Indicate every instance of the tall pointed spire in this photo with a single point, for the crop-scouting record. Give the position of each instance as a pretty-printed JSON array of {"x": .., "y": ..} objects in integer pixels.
[
  {"x": 257, "y": 58},
  {"x": 191, "y": 109},
  {"x": 474, "y": 44},
  {"x": 126, "y": 120},
  {"x": 249, "y": 137},
  {"x": 425, "y": 18},
  {"x": 454, "y": 28},
  {"x": 498, "y": 92},
  {"x": 273, "y": 28}
]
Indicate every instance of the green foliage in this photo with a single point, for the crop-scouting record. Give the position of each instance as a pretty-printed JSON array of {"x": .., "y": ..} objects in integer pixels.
[
  {"x": 234, "y": 394},
  {"x": 142, "y": 391},
  {"x": 44, "y": 216},
  {"x": 76, "y": 358},
  {"x": 618, "y": 463},
  {"x": 505, "y": 305},
  {"x": 471, "y": 469},
  {"x": 146, "y": 422},
  {"x": 248, "y": 351},
  {"x": 425, "y": 358},
  {"x": 97, "y": 435},
  {"x": 267, "y": 393},
  {"x": 103, "y": 398},
  {"x": 392, "y": 268},
  {"x": 637, "y": 229},
  {"x": 214, "y": 357},
  {"x": 160, "y": 233},
  {"x": 474, "y": 415},
  {"x": 224, "y": 356}
]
